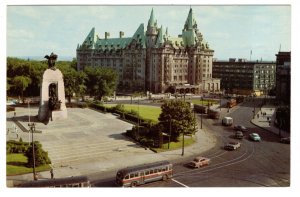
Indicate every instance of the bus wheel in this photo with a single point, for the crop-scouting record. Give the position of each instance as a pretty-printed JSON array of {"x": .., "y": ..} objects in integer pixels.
[
  {"x": 134, "y": 184},
  {"x": 165, "y": 177}
]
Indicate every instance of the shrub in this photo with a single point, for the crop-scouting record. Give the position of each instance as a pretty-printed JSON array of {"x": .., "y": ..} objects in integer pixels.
[
  {"x": 41, "y": 156},
  {"x": 16, "y": 147}
]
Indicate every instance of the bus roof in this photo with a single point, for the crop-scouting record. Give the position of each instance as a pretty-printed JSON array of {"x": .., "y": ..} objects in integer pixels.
[
  {"x": 144, "y": 166},
  {"x": 55, "y": 182}
]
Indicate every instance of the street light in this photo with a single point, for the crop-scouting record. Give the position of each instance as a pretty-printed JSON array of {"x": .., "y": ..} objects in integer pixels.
[
  {"x": 170, "y": 127},
  {"x": 32, "y": 129},
  {"x": 201, "y": 111}
]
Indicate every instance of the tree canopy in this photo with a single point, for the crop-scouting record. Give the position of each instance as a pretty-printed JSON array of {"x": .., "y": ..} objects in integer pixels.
[{"x": 181, "y": 117}]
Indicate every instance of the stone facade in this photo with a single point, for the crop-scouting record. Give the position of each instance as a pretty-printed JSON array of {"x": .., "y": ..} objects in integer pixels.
[
  {"x": 52, "y": 78},
  {"x": 152, "y": 60}
]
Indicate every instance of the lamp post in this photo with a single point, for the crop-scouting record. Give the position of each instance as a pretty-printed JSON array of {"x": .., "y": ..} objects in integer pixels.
[
  {"x": 170, "y": 127},
  {"x": 201, "y": 111},
  {"x": 182, "y": 144},
  {"x": 32, "y": 129}
]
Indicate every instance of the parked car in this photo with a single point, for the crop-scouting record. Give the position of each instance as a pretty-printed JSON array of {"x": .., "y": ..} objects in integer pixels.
[
  {"x": 199, "y": 162},
  {"x": 285, "y": 140},
  {"x": 239, "y": 135},
  {"x": 254, "y": 137},
  {"x": 240, "y": 128},
  {"x": 227, "y": 121},
  {"x": 232, "y": 146}
]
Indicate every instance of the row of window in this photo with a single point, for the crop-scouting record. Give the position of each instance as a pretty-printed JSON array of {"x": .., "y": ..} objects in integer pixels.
[{"x": 146, "y": 172}]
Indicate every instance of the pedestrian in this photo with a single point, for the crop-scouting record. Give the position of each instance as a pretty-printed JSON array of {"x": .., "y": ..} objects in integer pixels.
[
  {"x": 15, "y": 114},
  {"x": 52, "y": 173},
  {"x": 7, "y": 131},
  {"x": 257, "y": 115}
]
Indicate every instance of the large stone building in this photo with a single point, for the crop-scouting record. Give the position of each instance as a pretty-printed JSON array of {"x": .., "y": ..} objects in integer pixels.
[
  {"x": 152, "y": 60},
  {"x": 283, "y": 77},
  {"x": 245, "y": 77}
]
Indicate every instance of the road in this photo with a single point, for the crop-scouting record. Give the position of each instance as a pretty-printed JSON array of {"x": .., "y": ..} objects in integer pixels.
[{"x": 255, "y": 164}]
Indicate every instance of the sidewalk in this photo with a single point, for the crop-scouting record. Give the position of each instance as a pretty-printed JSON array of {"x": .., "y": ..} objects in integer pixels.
[{"x": 265, "y": 118}]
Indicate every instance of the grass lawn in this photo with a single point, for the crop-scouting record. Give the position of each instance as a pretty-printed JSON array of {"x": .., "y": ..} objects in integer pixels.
[
  {"x": 205, "y": 102},
  {"x": 146, "y": 112},
  {"x": 188, "y": 140},
  {"x": 16, "y": 164}
]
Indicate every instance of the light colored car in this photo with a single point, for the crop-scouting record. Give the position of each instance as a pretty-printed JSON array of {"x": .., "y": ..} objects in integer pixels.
[
  {"x": 199, "y": 162},
  {"x": 255, "y": 137},
  {"x": 240, "y": 128},
  {"x": 239, "y": 135},
  {"x": 232, "y": 146},
  {"x": 227, "y": 121}
]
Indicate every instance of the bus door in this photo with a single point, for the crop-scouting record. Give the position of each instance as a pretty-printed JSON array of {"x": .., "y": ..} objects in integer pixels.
[{"x": 142, "y": 175}]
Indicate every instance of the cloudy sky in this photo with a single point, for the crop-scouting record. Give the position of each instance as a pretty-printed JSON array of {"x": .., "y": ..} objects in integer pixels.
[{"x": 232, "y": 31}]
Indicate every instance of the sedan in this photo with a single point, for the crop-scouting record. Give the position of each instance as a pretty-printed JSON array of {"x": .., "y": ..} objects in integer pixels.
[
  {"x": 285, "y": 140},
  {"x": 240, "y": 128},
  {"x": 239, "y": 135},
  {"x": 232, "y": 146},
  {"x": 199, "y": 162},
  {"x": 255, "y": 137}
]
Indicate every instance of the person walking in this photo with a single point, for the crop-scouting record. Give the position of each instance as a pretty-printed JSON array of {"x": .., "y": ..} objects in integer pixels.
[{"x": 52, "y": 173}]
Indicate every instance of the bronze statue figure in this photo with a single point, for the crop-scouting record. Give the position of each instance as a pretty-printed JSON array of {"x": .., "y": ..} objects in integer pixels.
[{"x": 51, "y": 60}]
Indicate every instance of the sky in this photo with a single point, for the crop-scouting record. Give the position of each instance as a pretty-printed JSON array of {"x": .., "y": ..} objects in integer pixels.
[{"x": 232, "y": 31}]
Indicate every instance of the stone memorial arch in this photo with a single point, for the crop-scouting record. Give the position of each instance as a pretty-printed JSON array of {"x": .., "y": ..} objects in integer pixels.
[{"x": 52, "y": 94}]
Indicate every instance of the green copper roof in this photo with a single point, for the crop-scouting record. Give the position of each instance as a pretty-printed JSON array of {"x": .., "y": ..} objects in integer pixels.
[
  {"x": 112, "y": 43},
  {"x": 139, "y": 35},
  {"x": 93, "y": 42},
  {"x": 151, "y": 22},
  {"x": 90, "y": 39},
  {"x": 190, "y": 22},
  {"x": 159, "y": 39}
]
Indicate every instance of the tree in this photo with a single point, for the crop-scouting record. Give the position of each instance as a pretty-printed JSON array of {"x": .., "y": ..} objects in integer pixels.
[
  {"x": 73, "y": 80},
  {"x": 21, "y": 83},
  {"x": 101, "y": 81},
  {"x": 41, "y": 157},
  {"x": 181, "y": 117}
]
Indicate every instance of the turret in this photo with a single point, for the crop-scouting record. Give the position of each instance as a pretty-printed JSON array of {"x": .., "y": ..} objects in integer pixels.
[{"x": 152, "y": 30}]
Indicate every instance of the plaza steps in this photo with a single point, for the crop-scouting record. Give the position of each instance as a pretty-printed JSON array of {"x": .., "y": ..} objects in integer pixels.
[{"x": 75, "y": 151}]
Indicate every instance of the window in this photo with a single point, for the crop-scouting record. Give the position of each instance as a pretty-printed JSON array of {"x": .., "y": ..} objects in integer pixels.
[
  {"x": 126, "y": 177},
  {"x": 147, "y": 172}
]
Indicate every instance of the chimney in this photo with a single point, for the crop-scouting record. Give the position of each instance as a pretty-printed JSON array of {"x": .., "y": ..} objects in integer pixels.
[
  {"x": 107, "y": 35},
  {"x": 121, "y": 34}
]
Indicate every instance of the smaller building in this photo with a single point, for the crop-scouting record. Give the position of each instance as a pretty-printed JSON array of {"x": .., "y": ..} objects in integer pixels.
[
  {"x": 245, "y": 77},
  {"x": 283, "y": 77}
]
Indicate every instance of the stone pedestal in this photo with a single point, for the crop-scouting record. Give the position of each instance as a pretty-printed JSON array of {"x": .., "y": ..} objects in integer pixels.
[{"x": 52, "y": 76}]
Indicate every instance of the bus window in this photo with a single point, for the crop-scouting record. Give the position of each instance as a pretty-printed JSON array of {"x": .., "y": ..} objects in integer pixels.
[
  {"x": 131, "y": 176},
  {"x": 126, "y": 177},
  {"x": 151, "y": 171},
  {"x": 155, "y": 170},
  {"x": 147, "y": 172},
  {"x": 136, "y": 174}
]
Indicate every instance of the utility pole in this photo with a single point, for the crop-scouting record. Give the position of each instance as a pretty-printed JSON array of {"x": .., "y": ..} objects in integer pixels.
[
  {"x": 201, "y": 111},
  {"x": 170, "y": 127},
  {"x": 182, "y": 143},
  {"x": 32, "y": 129}
]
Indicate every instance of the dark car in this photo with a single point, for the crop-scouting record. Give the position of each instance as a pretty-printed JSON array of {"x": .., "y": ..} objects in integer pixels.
[
  {"x": 285, "y": 140},
  {"x": 240, "y": 128},
  {"x": 239, "y": 135},
  {"x": 232, "y": 146}
]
